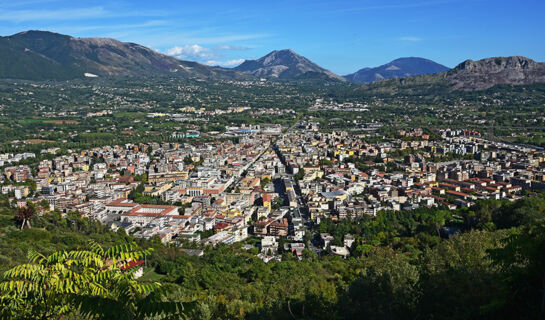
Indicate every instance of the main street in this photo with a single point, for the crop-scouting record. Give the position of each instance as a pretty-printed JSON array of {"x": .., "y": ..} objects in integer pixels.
[{"x": 301, "y": 205}]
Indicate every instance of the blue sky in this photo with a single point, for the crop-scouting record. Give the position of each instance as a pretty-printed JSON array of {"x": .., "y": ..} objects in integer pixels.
[{"x": 342, "y": 36}]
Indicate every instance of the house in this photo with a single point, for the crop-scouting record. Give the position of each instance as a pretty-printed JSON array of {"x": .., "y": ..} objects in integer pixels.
[
  {"x": 295, "y": 248},
  {"x": 145, "y": 213},
  {"x": 279, "y": 228},
  {"x": 269, "y": 244},
  {"x": 121, "y": 205},
  {"x": 348, "y": 240},
  {"x": 339, "y": 251},
  {"x": 262, "y": 227},
  {"x": 326, "y": 239}
]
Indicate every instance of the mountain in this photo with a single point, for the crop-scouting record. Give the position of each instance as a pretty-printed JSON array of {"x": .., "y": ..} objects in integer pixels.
[
  {"x": 483, "y": 74},
  {"x": 286, "y": 64},
  {"x": 467, "y": 76},
  {"x": 42, "y": 55},
  {"x": 399, "y": 68}
]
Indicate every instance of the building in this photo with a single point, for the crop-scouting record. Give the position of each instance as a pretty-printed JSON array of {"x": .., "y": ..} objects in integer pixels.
[{"x": 279, "y": 228}]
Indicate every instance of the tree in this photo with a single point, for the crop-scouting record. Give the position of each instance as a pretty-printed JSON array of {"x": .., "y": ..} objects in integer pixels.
[
  {"x": 188, "y": 160},
  {"x": 300, "y": 174},
  {"x": 143, "y": 178},
  {"x": 24, "y": 214},
  {"x": 458, "y": 275},
  {"x": 89, "y": 283},
  {"x": 386, "y": 288},
  {"x": 522, "y": 268},
  {"x": 264, "y": 182},
  {"x": 277, "y": 203},
  {"x": 44, "y": 205}
]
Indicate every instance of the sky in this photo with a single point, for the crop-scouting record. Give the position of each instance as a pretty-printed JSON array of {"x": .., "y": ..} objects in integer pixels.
[{"x": 340, "y": 35}]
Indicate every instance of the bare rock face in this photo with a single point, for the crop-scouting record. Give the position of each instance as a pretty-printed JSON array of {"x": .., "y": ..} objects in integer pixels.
[
  {"x": 467, "y": 76},
  {"x": 285, "y": 64},
  {"x": 480, "y": 75}
]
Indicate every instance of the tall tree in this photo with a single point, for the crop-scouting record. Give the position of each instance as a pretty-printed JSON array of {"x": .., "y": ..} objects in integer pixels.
[{"x": 24, "y": 214}]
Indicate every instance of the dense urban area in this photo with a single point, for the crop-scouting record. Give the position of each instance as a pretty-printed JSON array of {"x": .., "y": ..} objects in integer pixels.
[{"x": 257, "y": 199}]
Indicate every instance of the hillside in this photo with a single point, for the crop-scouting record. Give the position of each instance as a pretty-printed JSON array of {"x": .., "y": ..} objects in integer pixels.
[
  {"x": 287, "y": 65},
  {"x": 467, "y": 76},
  {"x": 42, "y": 55},
  {"x": 486, "y": 73},
  {"x": 402, "y": 269},
  {"x": 399, "y": 68}
]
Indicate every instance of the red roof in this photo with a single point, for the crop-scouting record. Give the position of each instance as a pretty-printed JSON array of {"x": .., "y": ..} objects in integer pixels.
[
  {"x": 165, "y": 210},
  {"x": 120, "y": 203},
  {"x": 456, "y": 193},
  {"x": 438, "y": 198},
  {"x": 221, "y": 226},
  {"x": 283, "y": 223},
  {"x": 131, "y": 264}
]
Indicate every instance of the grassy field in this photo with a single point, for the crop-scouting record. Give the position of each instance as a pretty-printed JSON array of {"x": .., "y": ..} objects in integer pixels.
[{"x": 150, "y": 275}]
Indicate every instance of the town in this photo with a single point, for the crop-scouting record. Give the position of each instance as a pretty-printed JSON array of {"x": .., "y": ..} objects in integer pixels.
[
  {"x": 274, "y": 183},
  {"x": 272, "y": 160}
]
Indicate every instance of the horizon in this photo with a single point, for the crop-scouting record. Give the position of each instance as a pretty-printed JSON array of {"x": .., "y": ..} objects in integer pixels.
[{"x": 223, "y": 34}]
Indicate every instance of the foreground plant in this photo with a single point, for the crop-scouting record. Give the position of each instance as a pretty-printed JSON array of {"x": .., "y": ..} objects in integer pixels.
[{"x": 91, "y": 283}]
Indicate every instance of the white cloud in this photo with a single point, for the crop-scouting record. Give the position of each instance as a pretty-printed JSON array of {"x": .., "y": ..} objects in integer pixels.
[
  {"x": 222, "y": 38},
  {"x": 166, "y": 37},
  {"x": 195, "y": 52},
  {"x": 410, "y": 39},
  {"x": 228, "y": 63},
  {"x": 63, "y": 14},
  {"x": 71, "y": 14},
  {"x": 233, "y": 48},
  {"x": 112, "y": 28},
  {"x": 191, "y": 52}
]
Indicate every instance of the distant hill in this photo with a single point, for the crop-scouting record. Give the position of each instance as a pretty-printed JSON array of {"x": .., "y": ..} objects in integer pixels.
[
  {"x": 483, "y": 74},
  {"x": 467, "y": 76},
  {"x": 399, "y": 68},
  {"x": 42, "y": 55},
  {"x": 288, "y": 65}
]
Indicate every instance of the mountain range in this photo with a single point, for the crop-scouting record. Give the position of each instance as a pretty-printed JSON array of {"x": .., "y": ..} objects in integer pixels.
[
  {"x": 399, "y": 68},
  {"x": 467, "y": 76},
  {"x": 42, "y": 55}
]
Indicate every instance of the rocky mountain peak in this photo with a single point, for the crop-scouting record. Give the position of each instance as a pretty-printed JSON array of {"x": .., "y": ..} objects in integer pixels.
[
  {"x": 485, "y": 73},
  {"x": 285, "y": 64}
]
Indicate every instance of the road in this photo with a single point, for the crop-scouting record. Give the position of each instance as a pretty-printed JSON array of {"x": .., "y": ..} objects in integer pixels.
[
  {"x": 248, "y": 167},
  {"x": 303, "y": 209}
]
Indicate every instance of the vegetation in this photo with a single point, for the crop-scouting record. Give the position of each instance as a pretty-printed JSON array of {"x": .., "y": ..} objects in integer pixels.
[
  {"x": 402, "y": 267},
  {"x": 35, "y": 115},
  {"x": 91, "y": 283},
  {"x": 483, "y": 262}
]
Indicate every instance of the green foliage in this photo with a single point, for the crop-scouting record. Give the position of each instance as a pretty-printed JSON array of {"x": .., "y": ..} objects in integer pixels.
[
  {"x": 386, "y": 288},
  {"x": 264, "y": 182},
  {"x": 277, "y": 203},
  {"x": 400, "y": 269},
  {"x": 300, "y": 174},
  {"x": 137, "y": 194},
  {"x": 521, "y": 264},
  {"x": 95, "y": 283}
]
